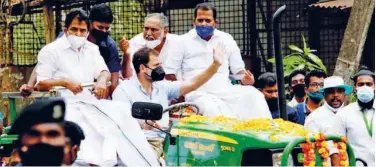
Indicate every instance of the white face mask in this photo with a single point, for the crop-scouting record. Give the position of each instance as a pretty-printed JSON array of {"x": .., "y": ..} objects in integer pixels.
[
  {"x": 333, "y": 109},
  {"x": 154, "y": 43},
  {"x": 365, "y": 94},
  {"x": 76, "y": 41}
]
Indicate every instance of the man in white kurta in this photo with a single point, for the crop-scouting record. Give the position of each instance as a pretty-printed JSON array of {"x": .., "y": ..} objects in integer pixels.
[
  {"x": 322, "y": 119},
  {"x": 112, "y": 135},
  {"x": 192, "y": 54},
  {"x": 154, "y": 36},
  {"x": 356, "y": 121}
]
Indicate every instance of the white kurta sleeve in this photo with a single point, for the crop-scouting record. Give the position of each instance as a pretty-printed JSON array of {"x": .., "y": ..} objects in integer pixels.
[
  {"x": 174, "y": 62},
  {"x": 46, "y": 65},
  {"x": 99, "y": 64},
  {"x": 235, "y": 58}
]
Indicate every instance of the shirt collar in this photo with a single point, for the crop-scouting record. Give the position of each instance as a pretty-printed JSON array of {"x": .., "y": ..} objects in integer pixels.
[{"x": 135, "y": 81}]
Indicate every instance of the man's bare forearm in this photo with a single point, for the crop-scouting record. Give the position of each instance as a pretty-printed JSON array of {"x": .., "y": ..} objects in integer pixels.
[
  {"x": 114, "y": 81},
  {"x": 103, "y": 77},
  {"x": 48, "y": 84},
  {"x": 127, "y": 69},
  {"x": 33, "y": 78},
  {"x": 198, "y": 80}
]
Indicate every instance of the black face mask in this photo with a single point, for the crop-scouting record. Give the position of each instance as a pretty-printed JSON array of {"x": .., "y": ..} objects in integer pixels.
[
  {"x": 299, "y": 90},
  {"x": 157, "y": 74},
  {"x": 99, "y": 35},
  {"x": 42, "y": 154},
  {"x": 273, "y": 104}
]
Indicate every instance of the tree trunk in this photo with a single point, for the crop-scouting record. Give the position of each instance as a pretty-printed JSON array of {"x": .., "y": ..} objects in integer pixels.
[
  {"x": 354, "y": 39},
  {"x": 48, "y": 20}
]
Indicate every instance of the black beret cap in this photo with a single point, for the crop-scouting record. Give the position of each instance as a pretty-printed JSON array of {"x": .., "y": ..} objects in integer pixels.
[
  {"x": 363, "y": 71},
  {"x": 41, "y": 111}
]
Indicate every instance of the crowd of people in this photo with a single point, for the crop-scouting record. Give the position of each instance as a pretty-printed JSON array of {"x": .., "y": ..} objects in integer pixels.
[{"x": 94, "y": 126}]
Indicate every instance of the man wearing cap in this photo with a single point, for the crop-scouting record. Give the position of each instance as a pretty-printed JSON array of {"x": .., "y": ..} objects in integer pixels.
[
  {"x": 356, "y": 121},
  {"x": 322, "y": 118},
  {"x": 75, "y": 134},
  {"x": 41, "y": 133}
]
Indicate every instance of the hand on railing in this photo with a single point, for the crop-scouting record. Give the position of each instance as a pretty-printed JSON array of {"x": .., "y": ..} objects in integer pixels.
[
  {"x": 74, "y": 87},
  {"x": 26, "y": 90}
]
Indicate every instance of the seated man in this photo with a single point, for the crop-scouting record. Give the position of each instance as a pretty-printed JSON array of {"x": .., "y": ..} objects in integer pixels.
[
  {"x": 267, "y": 84},
  {"x": 192, "y": 54},
  {"x": 148, "y": 86},
  {"x": 75, "y": 134},
  {"x": 154, "y": 36},
  {"x": 71, "y": 61},
  {"x": 100, "y": 18}
]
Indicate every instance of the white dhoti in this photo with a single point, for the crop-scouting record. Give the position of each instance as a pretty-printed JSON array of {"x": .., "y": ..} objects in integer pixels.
[
  {"x": 111, "y": 134},
  {"x": 237, "y": 101}
]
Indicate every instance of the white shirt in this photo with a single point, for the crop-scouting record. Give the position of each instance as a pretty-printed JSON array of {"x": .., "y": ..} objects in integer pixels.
[
  {"x": 350, "y": 123},
  {"x": 320, "y": 120},
  {"x": 193, "y": 55},
  {"x": 58, "y": 60},
  {"x": 138, "y": 42}
]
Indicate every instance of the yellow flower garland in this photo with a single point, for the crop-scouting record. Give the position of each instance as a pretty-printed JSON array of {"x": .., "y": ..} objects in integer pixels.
[{"x": 276, "y": 127}]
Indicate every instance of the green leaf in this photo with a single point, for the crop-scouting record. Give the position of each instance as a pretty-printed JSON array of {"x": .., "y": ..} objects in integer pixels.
[
  {"x": 295, "y": 48},
  {"x": 313, "y": 50},
  {"x": 271, "y": 60},
  {"x": 306, "y": 49},
  {"x": 317, "y": 61}
]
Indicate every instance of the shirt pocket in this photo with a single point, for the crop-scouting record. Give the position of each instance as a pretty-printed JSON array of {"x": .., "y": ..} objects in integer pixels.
[{"x": 198, "y": 59}]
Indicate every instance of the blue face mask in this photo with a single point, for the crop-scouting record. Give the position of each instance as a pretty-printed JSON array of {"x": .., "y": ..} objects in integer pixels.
[
  {"x": 315, "y": 96},
  {"x": 204, "y": 31}
]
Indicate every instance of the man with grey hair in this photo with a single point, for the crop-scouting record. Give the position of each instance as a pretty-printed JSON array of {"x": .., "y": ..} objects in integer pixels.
[{"x": 155, "y": 36}]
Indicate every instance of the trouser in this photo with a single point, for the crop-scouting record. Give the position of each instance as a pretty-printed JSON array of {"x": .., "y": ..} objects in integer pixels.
[{"x": 157, "y": 145}]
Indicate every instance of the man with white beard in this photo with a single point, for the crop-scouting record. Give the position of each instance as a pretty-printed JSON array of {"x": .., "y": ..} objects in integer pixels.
[{"x": 155, "y": 36}]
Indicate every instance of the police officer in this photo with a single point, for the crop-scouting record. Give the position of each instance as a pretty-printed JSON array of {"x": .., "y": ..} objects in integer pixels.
[{"x": 41, "y": 133}]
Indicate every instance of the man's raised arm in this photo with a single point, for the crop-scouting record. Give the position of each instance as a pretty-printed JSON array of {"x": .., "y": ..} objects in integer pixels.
[{"x": 202, "y": 78}]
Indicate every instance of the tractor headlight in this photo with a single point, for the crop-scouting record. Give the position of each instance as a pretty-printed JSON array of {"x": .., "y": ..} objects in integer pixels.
[{"x": 277, "y": 159}]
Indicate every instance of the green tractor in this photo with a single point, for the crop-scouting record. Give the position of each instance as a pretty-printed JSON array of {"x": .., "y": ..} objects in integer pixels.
[{"x": 219, "y": 141}]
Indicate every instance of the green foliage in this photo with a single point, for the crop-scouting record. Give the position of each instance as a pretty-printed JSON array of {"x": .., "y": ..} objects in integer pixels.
[{"x": 300, "y": 59}]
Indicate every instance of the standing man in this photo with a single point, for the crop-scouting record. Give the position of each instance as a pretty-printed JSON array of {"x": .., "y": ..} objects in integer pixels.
[
  {"x": 154, "y": 36},
  {"x": 149, "y": 86},
  {"x": 356, "y": 121},
  {"x": 193, "y": 54},
  {"x": 297, "y": 87},
  {"x": 321, "y": 119},
  {"x": 267, "y": 84},
  {"x": 41, "y": 133},
  {"x": 101, "y": 19},
  {"x": 314, "y": 81}
]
